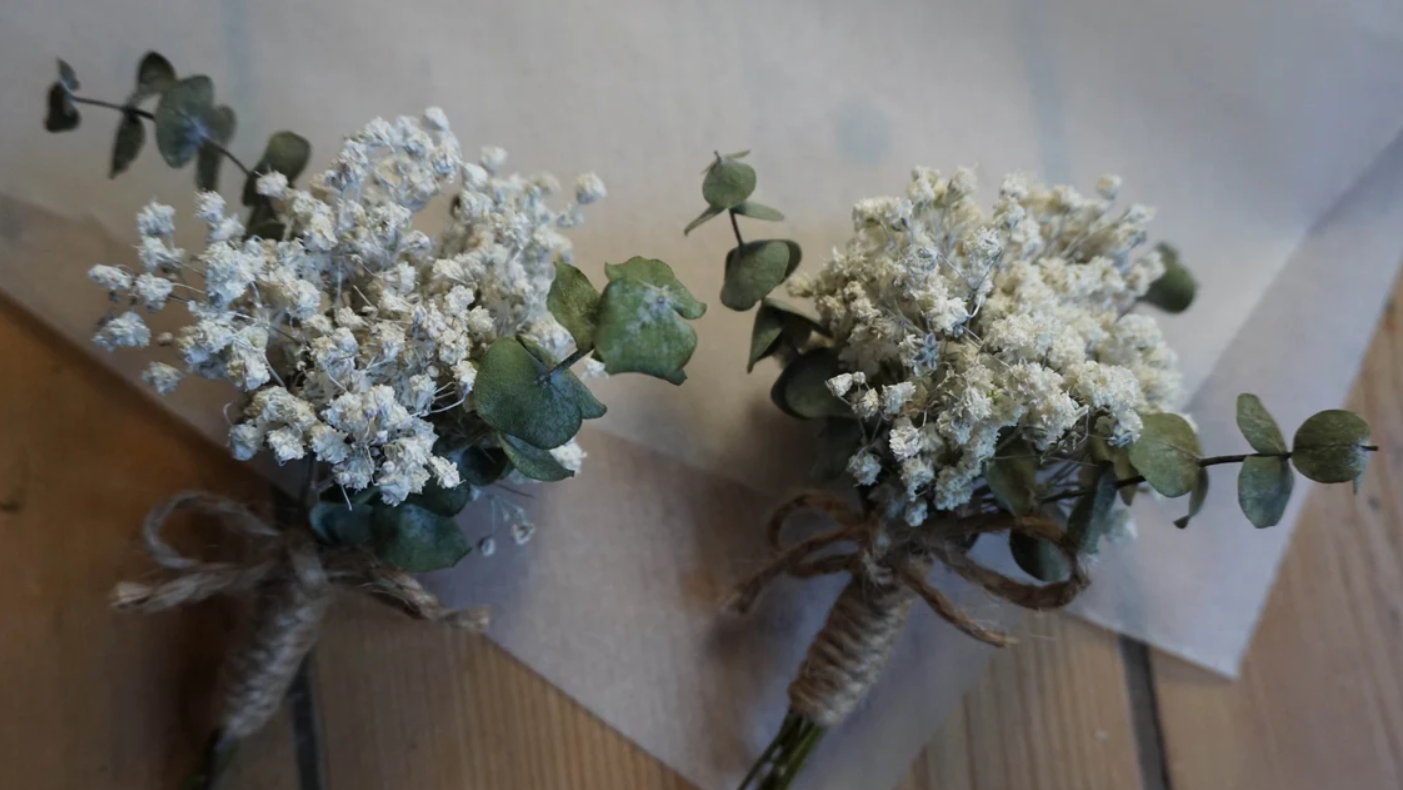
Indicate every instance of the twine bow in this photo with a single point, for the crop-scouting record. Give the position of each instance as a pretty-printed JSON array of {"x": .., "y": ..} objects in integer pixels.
[
  {"x": 292, "y": 576},
  {"x": 901, "y": 558}
]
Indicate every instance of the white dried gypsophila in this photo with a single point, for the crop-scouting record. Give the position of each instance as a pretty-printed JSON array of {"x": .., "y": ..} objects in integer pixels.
[
  {"x": 961, "y": 327},
  {"x": 351, "y": 331}
]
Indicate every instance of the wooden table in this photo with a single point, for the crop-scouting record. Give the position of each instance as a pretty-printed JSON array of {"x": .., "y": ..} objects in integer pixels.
[{"x": 91, "y": 699}]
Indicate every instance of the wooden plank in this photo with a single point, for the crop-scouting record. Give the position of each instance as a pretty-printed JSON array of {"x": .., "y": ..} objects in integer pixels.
[
  {"x": 1320, "y": 700},
  {"x": 1049, "y": 713},
  {"x": 88, "y": 697}
]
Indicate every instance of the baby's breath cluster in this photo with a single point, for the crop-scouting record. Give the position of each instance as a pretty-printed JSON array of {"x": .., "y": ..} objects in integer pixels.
[
  {"x": 960, "y": 331},
  {"x": 355, "y": 335}
]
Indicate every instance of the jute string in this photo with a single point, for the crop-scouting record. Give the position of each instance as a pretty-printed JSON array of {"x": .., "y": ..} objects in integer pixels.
[
  {"x": 889, "y": 568},
  {"x": 292, "y": 578}
]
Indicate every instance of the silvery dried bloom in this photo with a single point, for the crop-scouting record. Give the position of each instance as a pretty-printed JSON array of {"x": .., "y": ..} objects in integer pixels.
[
  {"x": 356, "y": 337},
  {"x": 972, "y": 327}
]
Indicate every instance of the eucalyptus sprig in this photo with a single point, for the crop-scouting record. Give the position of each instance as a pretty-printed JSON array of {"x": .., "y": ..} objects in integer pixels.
[{"x": 188, "y": 125}]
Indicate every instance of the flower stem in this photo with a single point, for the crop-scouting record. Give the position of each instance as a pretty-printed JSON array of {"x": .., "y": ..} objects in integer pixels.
[
  {"x": 782, "y": 760},
  {"x": 735, "y": 227}
]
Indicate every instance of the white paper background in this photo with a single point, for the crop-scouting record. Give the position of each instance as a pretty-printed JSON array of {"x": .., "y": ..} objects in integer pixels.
[{"x": 1243, "y": 122}]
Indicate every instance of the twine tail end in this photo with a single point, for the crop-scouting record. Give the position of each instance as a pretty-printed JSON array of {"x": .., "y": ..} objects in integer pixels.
[
  {"x": 782, "y": 760},
  {"x": 214, "y": 761}
]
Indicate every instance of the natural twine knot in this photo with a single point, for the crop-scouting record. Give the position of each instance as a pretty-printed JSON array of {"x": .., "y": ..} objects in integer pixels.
[
  {"x": 888, "y": 570},
  {"x": 292, "y": 577}
]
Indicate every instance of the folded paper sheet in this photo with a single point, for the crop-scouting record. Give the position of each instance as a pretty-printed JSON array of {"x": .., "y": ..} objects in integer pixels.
[{"x": 1209, "y": 110}]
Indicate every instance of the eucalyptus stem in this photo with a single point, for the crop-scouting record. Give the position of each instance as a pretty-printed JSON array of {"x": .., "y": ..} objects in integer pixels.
[
  {"x": 782, "y": 760},
  {"x": 735, "y": 226},
  {"x": 579, "y": 354},
  {"x": 140, "y": 113}
]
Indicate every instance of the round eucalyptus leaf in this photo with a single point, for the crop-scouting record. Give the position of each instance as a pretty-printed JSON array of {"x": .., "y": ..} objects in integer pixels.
[
  {"x": 482, "y": 466},
  {"x": 1090, "y": 518},
  {"x": 796, "y": 254},
  {"x": 640, "y": 326},
  {"x": 131, "y": 136},
  {"x": 1329, "y": 446},
  {"x": 516, "y": 393},
  {"x": 574, "y": 303},
  {"x": 711, "y": 211},
  {"x": 1167, "y": 454},
  {"x": 1257, "y": 426},
  {"x": 1264, "y": 489},
  {"x": 416, "y": 539},
  {"x": 153, "y": 76},
  {"x": 765, "y": 334},
  {"x": 182, "y": 116},
  {"x": 1012, "y": 477},
  {"x": 1196, "y": 498},
  {"x": 1038, "y": 558},
  {"x": 286, "y": 153},
  {"x": 802, "y": 390},
  {"x": 838, "y": 442},
  {"x": 758, "y": 211},
  {"x": 336, "y": 523},
  {"x": 220, "y": 130},
  {"x": 728, "y": 183},
  {"x": 533, "y": 462},
  {"x": 62, "y": 115},
  {"x": 1174, "y": 291},
  {"x": 752, "y": 271}
]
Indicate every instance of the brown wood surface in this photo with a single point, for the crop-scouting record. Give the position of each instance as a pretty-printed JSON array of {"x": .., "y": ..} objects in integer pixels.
[{"x": 89, "y": 698}]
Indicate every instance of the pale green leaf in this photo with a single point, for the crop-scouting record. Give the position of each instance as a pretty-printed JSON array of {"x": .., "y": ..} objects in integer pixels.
[
  {"x": 533, "y": 462},
  {"x": 1260, "y": 430},
  {"x": 1174, "y": 291},
  {"x": 181, "y": 119},
  {"x": 1264, "y": 489},
  {"x": 62, "y": 116},
  {"x": 1329, "y": 446},
  {"x": 1167, "y": 454},
  {"x": 838, "y": 441},
  {"x": 574, "y": 303},
  {"x": 415, "y": 539},
  {"x": 758, "y": 211},
  {"x": 1090, "y": 518},
  {"x": 752, "y": 271},
  {"x": 220, "y": 130},
  {"x": 131, "y": 136},
  {"x": 640, "y": 326},
  {"x": 795, "y": 256},
  {"x": 286, "y": 153},
  {"x": 801, "y": 390},
  {"x": 516, "y": 393},
  {"x": 1196, "y": 498},
  {"x": 66, "y": 76},
  {"x": 776, "y": 323},
  {"x": 153, "y": 76},
  {"x": 728, "y": 183},
  {"x": 711, "y": 211}
]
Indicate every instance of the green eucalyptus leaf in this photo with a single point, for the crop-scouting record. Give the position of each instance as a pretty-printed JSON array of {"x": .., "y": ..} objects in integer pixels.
[
  {"x": 220, "y": 130},
  {"x": 802, "y": 390},
  {"x": 839, "y": 441},
  {"x": 752, "y": 271},
  {"x": 1013, "y": 478},
  {"x": 1038, "y": 558},
  {"x": 640, "y": 321},
  {"x": 796, "y": 254},
  {"x": 728, "y": 183},
  {"x": 1260, "y": 430},
  {"x": 518, "y": 394},
  {"x": 131, "y": 136},
  {"x": 533, "y": 462},
  {"x": 1102, "y": 452},
  {"x": 286, "y": 153},
  {"x": 1196, "y": 498},
  {"x": 1174, "y": 290},
  {"x": 703, "y": 218},
  {"x": 574, "y": 303},
  {"x": 737, "y": 155},
  {"x": 482, "y": 466},
  {"x": 66, "y": 76},
  {"x": 1264, "y": 489},
  {"x": 182, "y": 118},
  {"x": 416, "y": 539},
  {"x": 449, "y": 501},
  {"x": 263, "y": 221},
  {"x": 62, "y": 115},
  {"x": 1167, "y": 454},
  {"x": 776, "y": 323},
  {"x": 336, "y": 523},
  {"x": 758, "y": 211},
  {"x": 1090, "y": 518},
  {"x": 1329, "y": 446},
  {"x": 153, "y": 76}
]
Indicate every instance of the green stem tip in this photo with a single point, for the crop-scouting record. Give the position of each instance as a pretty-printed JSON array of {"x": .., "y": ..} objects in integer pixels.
[
  {"x": 782, "y": 760},
  {"x": 214, "y": 761}
]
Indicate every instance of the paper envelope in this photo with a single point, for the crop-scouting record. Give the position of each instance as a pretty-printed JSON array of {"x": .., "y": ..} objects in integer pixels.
[{"x": 1245, "y": 125}]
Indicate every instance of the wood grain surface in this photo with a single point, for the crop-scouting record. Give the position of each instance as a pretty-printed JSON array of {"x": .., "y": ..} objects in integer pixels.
[{"x": 89, "y": 698}]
